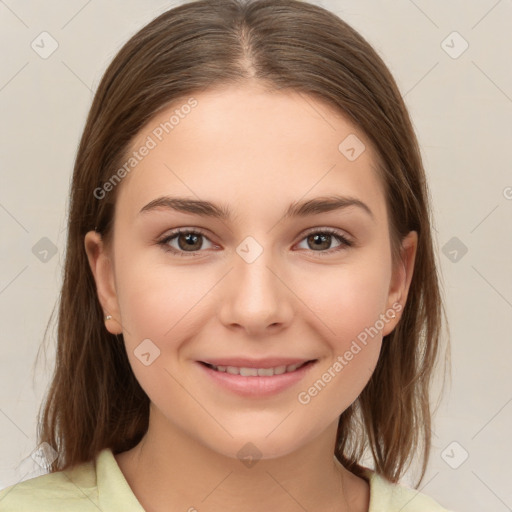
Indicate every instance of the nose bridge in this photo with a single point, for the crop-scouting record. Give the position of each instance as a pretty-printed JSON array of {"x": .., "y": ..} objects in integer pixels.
[{"x": 255, "y": 297}]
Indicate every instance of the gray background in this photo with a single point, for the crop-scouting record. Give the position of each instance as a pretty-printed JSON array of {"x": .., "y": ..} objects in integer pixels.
[{"x": 461, "y": 105}]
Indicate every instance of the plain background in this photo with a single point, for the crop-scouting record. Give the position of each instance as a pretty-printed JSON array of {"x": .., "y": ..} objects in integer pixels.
[{"x": 461, "y": 106}]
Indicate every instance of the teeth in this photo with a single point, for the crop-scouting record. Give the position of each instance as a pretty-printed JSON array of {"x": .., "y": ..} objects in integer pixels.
[
  {"x": 254, "y": 372},
  {"x": 248, "y": 372}
]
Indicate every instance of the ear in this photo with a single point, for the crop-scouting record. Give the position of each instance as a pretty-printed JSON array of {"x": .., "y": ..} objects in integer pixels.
[
  {"x": 103, "y": 272},
  {"x": 401, "y": 280}
]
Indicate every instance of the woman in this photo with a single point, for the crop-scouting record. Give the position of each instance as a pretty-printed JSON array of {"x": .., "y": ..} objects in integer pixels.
[{"x": 250, "y": 301}]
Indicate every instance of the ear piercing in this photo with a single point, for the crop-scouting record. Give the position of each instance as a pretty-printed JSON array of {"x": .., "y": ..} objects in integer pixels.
[{"x": 108, "y": 317}]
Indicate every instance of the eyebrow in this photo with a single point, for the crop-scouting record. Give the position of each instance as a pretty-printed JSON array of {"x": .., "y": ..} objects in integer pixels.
[{"x": 296, "y": 209}]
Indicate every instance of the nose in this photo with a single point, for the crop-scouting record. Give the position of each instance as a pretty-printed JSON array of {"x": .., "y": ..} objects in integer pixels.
[{"x": 255, "y": 298}]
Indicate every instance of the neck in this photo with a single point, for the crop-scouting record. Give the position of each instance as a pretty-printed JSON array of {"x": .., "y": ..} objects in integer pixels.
[{"x": 170, "y": 471}]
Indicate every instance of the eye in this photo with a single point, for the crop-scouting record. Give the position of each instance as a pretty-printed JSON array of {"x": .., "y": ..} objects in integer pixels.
[
  {"x": 322, "y": 239},
  {"x": 187, "y": 240}
]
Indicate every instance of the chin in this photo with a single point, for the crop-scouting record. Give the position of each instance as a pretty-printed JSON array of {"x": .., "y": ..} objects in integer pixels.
[{"x": 261, "y": 444}]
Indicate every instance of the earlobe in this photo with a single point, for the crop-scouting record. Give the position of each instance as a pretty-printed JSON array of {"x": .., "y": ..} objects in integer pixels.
[
  {"x": 103, "y": 272},
  {"x": 401, "y": 279}
]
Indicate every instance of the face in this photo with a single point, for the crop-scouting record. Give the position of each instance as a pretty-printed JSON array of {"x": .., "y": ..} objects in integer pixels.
[{"x": 283, "y": 259}]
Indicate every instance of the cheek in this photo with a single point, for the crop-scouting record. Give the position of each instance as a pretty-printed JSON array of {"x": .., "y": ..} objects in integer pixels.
[
  {"x": 156, "y": 299},
  {"x": 160, "y": 304},
  {"x": 352, "y": 344},
  {"x": 347, "y": 302},
  {"x": 346, "y": 299}
]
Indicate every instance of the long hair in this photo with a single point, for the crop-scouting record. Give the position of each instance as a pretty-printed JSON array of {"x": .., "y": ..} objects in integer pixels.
[{"x": 94, "y": 400}]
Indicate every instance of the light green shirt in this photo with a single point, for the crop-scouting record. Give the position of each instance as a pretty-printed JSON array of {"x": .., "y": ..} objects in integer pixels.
[{"x": 100, "y": 486}]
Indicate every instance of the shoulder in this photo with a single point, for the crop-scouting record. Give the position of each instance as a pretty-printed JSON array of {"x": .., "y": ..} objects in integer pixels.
[
  {"x": 386, "y": 496},
  {"x": 87, "y": 487},
  {"x": 72, "y": 489}
]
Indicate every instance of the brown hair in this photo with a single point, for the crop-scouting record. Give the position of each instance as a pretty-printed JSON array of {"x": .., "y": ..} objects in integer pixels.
[{"x": 94, "y": 400}]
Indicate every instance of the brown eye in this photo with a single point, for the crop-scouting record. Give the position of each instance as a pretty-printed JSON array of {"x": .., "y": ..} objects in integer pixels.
[
  {"x": 184, "y": 241},
  {"x": 320, "y": 241},
  {"x": 189, "y": 241}
]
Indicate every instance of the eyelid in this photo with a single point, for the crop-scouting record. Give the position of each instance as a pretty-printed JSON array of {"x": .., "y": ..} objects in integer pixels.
[{"x": 331, "y": 231}]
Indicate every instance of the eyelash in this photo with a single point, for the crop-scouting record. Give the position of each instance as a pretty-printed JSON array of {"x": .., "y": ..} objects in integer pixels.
[{"x": 345, "y": 242}]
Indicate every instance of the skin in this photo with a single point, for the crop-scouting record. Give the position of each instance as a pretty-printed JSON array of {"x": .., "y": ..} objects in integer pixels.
[{"x": 256, "y": 152}]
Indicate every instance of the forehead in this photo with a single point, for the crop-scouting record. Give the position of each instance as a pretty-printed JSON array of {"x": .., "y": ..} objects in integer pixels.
[{"x": 252, "y": 147}]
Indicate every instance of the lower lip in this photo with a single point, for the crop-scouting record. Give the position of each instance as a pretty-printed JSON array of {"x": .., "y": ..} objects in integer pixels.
[{"x": 257, "y": 386}]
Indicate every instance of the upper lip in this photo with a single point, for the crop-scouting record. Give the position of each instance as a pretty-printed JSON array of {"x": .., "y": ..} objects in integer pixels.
[{"x": 243, "y": 362}]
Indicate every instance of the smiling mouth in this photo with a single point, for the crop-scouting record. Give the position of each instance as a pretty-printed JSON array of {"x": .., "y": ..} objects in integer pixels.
[{"x": 258, "y": 372}]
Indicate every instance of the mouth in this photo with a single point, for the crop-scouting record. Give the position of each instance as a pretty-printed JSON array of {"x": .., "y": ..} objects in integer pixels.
[
  {"x": 256, "y": 379},
  {"x": 254, "y": 371}
]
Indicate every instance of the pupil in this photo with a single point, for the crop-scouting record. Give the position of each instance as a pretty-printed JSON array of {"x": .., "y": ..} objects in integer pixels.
[
  {"x": 322, "y": 239},
  {"x": 191, "y": 239}
]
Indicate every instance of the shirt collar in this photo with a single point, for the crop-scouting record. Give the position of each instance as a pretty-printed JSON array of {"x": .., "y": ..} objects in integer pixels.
[{"x": 113, "y": 490}]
